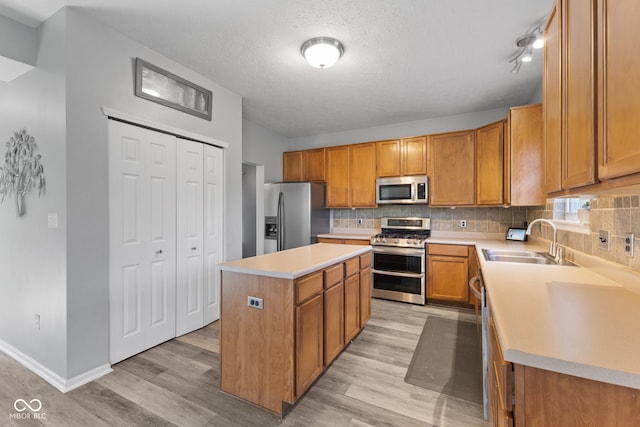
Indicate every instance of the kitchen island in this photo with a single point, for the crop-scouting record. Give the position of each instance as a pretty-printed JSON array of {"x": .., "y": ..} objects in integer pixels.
[{"x": 286, "y": 316}]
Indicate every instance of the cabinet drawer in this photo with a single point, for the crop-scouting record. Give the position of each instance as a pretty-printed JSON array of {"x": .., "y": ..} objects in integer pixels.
[
  {"x": 365, "y": 260},
  {"x": 501, "y": 369},
  {"x": 450, "y": 250},
  {"x": 351, "y": 266},
  {"x": 333, "y": 275},
  {"x": 309, "y": 286}
]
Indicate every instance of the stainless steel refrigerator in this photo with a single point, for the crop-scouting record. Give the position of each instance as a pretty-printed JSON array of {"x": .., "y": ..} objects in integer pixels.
[{"x": 295, "y": 214}]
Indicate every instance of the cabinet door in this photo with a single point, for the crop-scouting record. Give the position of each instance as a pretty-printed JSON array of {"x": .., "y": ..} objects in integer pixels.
[
  {"x": 190, "y": 237},
  {"x": 142, "y": 239},
  {"x": 506, "y": 169},
  {"x": 314, "y": 165},
  {"x": 389, "y": 155},
  {"x": 414, "y": 156},
  {"x": 362, "y": 178},
  {"x": 552, "y": 101},
  {"x": 527, "y": 146},
  {"x": 333, "y": 322},
  {"x": 365, "y": 296},
  {"x": 292, "y": 166},
  {"x": 309, "y": 343},
  {"x": 351, "y": 307},
  {"x": 338, "y": 177},
  {"x": 453, "y": 172},
  {"x": 619, "y": 88},
  {"x": 489, "y": 165},
  {"x": 448, "y": 278},
  {"x": 578, "y": 146}
]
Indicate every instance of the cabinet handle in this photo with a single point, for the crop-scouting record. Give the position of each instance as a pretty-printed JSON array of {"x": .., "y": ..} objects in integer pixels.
[
  {"x": 193, "y": 248},
  {"x": 159, "y": 251}
]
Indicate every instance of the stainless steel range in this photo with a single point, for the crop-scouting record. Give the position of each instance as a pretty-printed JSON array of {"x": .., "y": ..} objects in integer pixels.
[{"x": 399, "y": 267}]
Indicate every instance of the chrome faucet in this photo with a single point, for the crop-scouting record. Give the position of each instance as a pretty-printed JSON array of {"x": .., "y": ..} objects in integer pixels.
[{"x": 554, "y": 244}]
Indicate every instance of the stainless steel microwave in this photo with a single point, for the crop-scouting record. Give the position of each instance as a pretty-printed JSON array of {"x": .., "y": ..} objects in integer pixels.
[{"x": 403, "y": 190}]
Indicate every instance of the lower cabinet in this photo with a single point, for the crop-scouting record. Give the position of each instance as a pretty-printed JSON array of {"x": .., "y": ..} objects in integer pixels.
[
  {"x": 448, "y": 272},
  {"x": 309, "y": 342},
  {"x": 333, "y": 322},
  {"x": 351, "y": 307}
]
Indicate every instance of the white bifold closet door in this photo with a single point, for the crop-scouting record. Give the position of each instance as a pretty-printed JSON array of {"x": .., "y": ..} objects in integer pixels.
[
  {"x": 199, "y": 234},
  {"x": 142, "y": 231}
]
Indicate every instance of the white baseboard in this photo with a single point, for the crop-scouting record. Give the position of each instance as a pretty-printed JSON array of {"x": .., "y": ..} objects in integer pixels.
[{"x": 64, "y": 385}]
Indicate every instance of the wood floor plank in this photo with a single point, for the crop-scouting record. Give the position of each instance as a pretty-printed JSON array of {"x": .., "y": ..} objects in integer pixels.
[{"x": 177, "y": 384}]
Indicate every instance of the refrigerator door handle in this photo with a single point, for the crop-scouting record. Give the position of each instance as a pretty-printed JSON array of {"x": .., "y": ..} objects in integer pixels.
[{"x": 280, "y": 222}]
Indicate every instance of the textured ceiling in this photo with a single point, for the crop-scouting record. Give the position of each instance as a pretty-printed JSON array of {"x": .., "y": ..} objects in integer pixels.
[{"x": 404, "y": 59}]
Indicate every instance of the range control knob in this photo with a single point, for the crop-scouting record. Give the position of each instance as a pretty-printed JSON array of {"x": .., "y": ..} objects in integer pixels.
[
  {"x": 409, "y": 242},
  {"x": 397, "y": 241}
]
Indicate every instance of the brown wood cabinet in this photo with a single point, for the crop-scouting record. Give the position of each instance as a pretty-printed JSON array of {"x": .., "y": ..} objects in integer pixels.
[
  {"x": 271, "y": 356},
  {"x": 552, "y": 101},
  {"x": 452, "y": 167},
  {"x": 490, "y": 164},
  {"x": 618, "y": 88},
  {"x": 362, "y": 177},
  {"x": 448, "y": 273},
  {"x": 402, "y": 157},
  {"x": 338, "y": 173},
  {"x": 499, "y": 381},
  {"x": 525, "y": 156},
  {"x": 293, "y": 166},
  {"x": 309, "y": 342},
  {"x": 304, "y": 165}
]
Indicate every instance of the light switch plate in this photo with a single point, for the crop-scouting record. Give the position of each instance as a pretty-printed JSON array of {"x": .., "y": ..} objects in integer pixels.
[
  {"x": 52, "y": 220},
  {"x": 604, "y": 237}
]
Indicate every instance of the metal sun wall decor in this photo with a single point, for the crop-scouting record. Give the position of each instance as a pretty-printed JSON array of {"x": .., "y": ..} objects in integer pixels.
[{"x": 22, "y": 170}]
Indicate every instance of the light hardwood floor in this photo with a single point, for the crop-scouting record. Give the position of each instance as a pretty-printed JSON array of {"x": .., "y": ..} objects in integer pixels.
[{"x": 176, "y": 383}]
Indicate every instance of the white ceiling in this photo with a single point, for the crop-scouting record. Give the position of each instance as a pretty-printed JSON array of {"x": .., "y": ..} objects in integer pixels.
[{"x": 404, "y": 60}]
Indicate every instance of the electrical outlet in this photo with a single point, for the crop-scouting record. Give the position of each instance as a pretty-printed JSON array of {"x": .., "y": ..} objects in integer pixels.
[
  {"x": 629, "y": 242},
  {"x": 604, "y": 237},
  {"x": 360, "y": 221},
  {"x": 463, "y": 223},
  {"x": 254, "y": 302},
  {"x": 52, "y": 220},
  {"x": 37, "y": 322}
]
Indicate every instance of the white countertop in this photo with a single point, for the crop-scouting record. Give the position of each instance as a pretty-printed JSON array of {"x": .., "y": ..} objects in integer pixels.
[
  {"x": 562, "y": 318},
  {"x": 297, "y": 262}
]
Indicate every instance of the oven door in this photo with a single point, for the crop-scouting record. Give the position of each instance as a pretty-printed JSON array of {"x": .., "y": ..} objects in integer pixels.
[{"x": 399, "y": 274}]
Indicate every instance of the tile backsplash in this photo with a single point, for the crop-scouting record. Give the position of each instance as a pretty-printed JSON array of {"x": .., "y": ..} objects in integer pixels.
[{"x": 618, "y": 214}]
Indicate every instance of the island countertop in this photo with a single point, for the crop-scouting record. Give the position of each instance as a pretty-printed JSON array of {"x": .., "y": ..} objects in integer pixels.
[{"x": 294, "y": 263}]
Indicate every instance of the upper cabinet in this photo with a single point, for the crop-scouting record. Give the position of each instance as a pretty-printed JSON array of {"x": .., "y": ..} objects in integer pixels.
[
  {"x": 490, "y": 164},
  {"x": 525, "y": 156},
  {"x": 452, "y": 167},
  {"x": 619, "y": 88},
  {"x": 305, "y": 165},
  {"x": 362, "y": 179},
  {"x": 338, "y": 194},
  {"x": 402, "y": 157},
  {"x": 591, "y": 95}
]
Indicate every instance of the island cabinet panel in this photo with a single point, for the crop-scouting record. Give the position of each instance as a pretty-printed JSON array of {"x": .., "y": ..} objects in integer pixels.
[
  {"x": 309, "y": 343},
  {"x": 333, "y": 322},
  {"x": 248, "y": 334},
  {"x": 351, "y": 307},
  {"x": 271, "y": 355}
]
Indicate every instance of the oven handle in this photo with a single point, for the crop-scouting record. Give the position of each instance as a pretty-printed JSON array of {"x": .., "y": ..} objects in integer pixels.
[
  {"x": 397, "y": 251},
  {"x": 395, "y": 273}
]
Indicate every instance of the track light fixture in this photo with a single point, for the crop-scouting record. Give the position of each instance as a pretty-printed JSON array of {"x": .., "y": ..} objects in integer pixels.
[{"x": 532, "y": 39}]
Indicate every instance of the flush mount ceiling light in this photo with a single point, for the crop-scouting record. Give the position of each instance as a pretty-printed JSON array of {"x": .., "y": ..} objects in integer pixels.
[
  {"x": 322, "y": 52},
  {"x": 531, "y": 40}
]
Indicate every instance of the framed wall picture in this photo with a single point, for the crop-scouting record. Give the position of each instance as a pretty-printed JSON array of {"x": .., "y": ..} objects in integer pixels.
[{"x": 158, "y": 85}]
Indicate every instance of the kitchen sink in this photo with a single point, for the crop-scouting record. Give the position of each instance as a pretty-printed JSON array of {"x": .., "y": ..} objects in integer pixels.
[{"x": 522, "y": 257}]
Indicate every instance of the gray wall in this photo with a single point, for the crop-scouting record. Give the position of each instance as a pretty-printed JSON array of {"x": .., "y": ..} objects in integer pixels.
[
  {"x": 401, "y": 130},
  {"x": 33, "y": 271},
  {"x": 82, "y": 66},
  {"x": 262, "y": 146},
  {"x": 17, "y": 41},
  {"x": 249, "y": 213}
]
